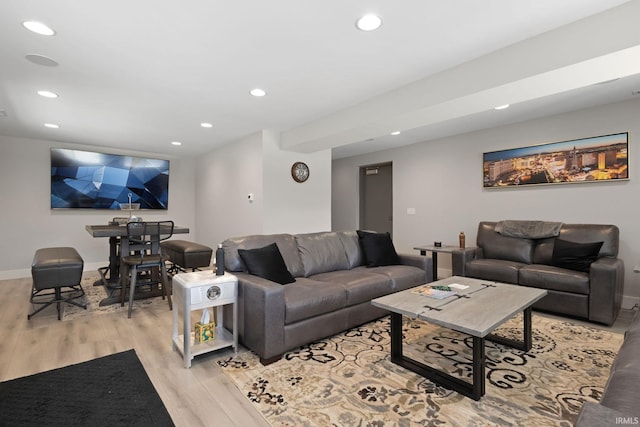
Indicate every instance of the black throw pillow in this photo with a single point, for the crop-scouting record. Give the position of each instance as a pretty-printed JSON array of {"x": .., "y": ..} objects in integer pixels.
[
  {"x": 267, "y": 263},
  {"x": 378, "y": 249},
  {"x": 575, "y": 256}
]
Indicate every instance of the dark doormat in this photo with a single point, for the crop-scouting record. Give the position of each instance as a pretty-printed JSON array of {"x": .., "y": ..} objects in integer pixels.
[{"x": 109, "y": 391}]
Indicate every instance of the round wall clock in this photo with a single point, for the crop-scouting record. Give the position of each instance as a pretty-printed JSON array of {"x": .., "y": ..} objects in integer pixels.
[{"x": 300, "y": 172}]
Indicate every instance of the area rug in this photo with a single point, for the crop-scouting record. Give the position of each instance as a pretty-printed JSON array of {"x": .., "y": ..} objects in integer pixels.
[
  {"x": 92, "y": 297},
  {"x": 349, "y": 380},
  {"x": 109, "y": 391}
]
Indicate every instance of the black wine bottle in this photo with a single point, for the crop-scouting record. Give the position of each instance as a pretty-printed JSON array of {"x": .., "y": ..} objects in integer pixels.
[{"x": 219, "y": 261}]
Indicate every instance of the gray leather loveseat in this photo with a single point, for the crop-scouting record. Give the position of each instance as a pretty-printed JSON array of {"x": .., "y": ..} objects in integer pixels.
[
  {"x": 583, "y": 277},
  {"x": 619, "y": 402},
  {"x": 331, "y": 293}
]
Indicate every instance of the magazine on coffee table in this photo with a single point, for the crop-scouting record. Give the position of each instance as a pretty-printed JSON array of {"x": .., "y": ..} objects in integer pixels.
[{"x": 437, "y": 292}]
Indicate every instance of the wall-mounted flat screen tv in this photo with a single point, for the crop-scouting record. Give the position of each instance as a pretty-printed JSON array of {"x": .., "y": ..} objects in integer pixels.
[{"x": 84, "y": 179}]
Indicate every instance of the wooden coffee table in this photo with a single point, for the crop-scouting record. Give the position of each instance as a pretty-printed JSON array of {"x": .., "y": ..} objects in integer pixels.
[{"x": 477, "y": 311}]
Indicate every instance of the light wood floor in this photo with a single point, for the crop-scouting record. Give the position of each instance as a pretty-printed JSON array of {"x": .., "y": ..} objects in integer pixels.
[{"x": 200, "y": 396}]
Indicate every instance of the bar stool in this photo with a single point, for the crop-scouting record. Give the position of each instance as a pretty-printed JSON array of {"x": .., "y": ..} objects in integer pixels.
[{"x": 145, "y": 253}]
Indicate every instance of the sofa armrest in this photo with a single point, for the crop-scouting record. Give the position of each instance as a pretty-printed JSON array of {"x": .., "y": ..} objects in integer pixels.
[
  {"x": 595, "y": 415},
  {"x": 262, "y": 311},
  {"x": 606, "y": 282},
  {"x": 460, "y": 257},
  {"x": 422, "y": 262}
]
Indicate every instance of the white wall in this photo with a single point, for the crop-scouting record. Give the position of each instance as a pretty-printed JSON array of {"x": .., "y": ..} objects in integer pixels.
[
  {"x": 293, "y": 207},
  {"x": 28, "y": 222},
  {"x": 256, "y": 165},
  {"x": 442, "y": 180},
  {"x": 224, "y": 178}
]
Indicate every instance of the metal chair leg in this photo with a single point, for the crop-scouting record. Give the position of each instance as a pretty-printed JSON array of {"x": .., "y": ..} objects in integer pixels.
[
  {"x": 165, "y": 285},
  {"x": 132, "y": 288}
]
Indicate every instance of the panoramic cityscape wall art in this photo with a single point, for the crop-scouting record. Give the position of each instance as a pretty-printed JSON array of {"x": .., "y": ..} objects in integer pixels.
[
  {"x": 84, "y": 179},
  {"x": 594, "y": 159}
]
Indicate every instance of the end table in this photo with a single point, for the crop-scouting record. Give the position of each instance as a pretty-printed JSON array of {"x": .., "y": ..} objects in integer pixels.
[
  {"x": 196, "y": 291},
  {"x": 434, "y": 255}
]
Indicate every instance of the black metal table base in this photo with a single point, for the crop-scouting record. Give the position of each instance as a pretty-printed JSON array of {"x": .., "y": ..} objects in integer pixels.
[
  {"x": 113, "y": 289},
  {"x": 476, "y": 388}
]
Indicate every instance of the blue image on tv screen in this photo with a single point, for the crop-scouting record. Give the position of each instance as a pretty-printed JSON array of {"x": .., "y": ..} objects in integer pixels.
[{"x": 84, "y": 179}]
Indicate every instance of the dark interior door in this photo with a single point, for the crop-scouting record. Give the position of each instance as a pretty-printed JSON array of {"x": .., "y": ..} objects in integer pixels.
[{"x": 376, "y": 198}]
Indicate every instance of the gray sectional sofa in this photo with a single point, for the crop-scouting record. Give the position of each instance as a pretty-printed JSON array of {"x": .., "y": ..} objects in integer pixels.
[
  {"x": 331, "y": 292},
  {"x": 583, "y": 278},
  {"x": 619, "y": 402}
]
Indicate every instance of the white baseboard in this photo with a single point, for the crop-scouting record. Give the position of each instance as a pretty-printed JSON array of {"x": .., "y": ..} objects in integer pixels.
[{"x": 630, "y": 302}]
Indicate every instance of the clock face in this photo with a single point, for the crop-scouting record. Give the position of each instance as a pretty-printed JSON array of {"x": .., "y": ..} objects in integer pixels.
[
  {"x": 300, "y": 172},
  {"x": 213, "y": 292}
]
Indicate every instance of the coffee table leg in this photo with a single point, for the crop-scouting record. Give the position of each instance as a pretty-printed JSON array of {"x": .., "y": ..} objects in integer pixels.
[
  {"x": 396, "y": 337},
  {"x": 527, "y": 341},
  {"x": 474, "y": 390},
  {"x": 478, "y": 368}
]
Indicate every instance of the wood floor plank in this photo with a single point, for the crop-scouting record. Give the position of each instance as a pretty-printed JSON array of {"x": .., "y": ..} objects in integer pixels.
[{"x": 200, "y": 396}]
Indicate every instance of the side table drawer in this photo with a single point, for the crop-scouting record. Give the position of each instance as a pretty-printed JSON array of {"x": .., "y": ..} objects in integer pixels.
[{"x": 222, "y": 293}]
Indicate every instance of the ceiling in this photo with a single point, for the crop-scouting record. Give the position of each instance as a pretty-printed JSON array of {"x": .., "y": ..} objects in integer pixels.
[{"x": 138, "y": 75}]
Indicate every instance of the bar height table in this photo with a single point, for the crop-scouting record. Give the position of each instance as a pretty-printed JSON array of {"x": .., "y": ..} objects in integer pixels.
[{"x": 117, "y": 235}]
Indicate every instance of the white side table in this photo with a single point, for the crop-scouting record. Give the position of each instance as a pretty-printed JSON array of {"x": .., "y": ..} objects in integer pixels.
[{"x": 197, "y": 291}]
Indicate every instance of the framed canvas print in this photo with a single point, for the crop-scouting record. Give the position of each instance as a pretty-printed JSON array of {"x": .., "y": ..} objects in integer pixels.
[
  {"x": 84, "y": 179},
  {"x": 594, "y": 159}
]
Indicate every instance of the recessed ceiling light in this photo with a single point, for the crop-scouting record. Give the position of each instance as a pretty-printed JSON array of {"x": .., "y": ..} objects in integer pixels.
[
  {"x": 257, "y": 92},
  {"x": 38, "y": 27},
  {"x": 47, "y": 94},
  {"x": 502, "y": 107},
  {"x": 206, "y": 125},
  {"x": 41, "y": 60},
  {"x": 369, "y": 22},
  {"x": 52, "y": 125},
  {"x": 176, "y": 143},
  {"x": 397, "y": 132}
]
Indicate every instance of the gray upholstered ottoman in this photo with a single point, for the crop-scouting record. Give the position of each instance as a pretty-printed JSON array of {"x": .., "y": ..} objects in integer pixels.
[
  {"x": 52, "y": 270},
  {"x": 184, "y": 254}
]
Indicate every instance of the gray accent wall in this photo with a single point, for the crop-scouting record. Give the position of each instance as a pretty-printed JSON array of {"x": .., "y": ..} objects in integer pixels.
[
  {"x": 442, "y": 181},
  {"x": 27, "y": 222}
]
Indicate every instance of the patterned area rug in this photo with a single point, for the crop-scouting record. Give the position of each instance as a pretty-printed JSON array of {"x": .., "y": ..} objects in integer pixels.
[
  {"x": 92, "y": 297},
  {"x": 349, "y": 380}
]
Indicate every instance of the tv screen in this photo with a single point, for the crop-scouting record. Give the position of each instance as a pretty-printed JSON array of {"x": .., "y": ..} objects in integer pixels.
[{"x": 84, "y": 179}]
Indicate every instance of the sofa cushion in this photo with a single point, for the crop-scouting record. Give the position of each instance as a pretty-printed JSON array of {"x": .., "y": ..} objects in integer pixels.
[
  {"x": 402, "y": 276},
  {"x": 497, "y": 246},
  {"x": 377, "y": 248},
  {"x": 308, "y": 298},
  {"x": 573, "y": 255},
  {"x": 352, "y": 248},
  {"x": 586, "y": 233},
  {"x": 321, "y": 252},
  {"x": 267, "y": 263},
  {"x": 498, "y": 270},
  {"x": 554, "y": 278},
  {"x": 360, "y": 284},
  {"x": 286, "y": 244}
]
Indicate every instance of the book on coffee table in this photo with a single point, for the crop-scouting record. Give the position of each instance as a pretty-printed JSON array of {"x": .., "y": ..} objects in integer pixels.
[{"x": 437, "y": 292}]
